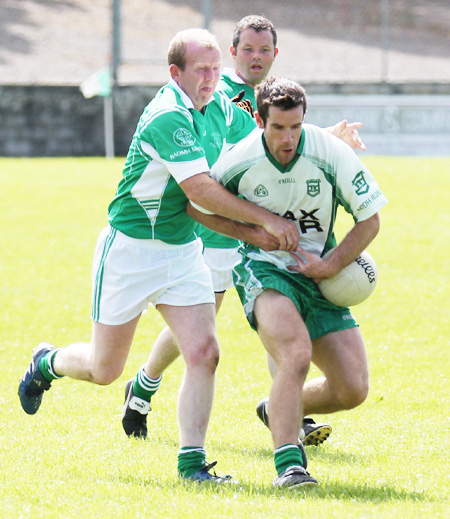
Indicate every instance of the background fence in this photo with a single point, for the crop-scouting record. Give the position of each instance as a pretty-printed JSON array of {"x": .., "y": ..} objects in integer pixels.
[
  {"x": 384, "y": 62},
  {"x": 334, "y": 41},
  {"x": 319, "y": 40}
]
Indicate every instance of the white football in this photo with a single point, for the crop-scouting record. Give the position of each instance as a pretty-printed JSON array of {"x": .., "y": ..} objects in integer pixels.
[{"x": 353, "y": 284}]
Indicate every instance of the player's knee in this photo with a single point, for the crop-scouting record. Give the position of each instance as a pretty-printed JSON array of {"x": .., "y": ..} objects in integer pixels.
[
  {"x": 203, "y": 353},
  {"x": 354, "y": 394},
  {"x": 297, "y": 363},
  {"x": 104, "y": 376}
]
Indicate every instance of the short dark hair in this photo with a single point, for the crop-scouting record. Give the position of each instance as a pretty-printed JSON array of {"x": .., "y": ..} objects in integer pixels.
[
  {"x": 255, "y": 22},
  {"x": 280, "y": 92}
]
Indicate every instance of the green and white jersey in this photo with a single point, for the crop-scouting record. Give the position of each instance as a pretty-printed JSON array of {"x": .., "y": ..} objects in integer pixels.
[
  {"x": 231, "y": 84},
  {"x": 172, "y": 143},
  {"x": 324, "y": 174}
]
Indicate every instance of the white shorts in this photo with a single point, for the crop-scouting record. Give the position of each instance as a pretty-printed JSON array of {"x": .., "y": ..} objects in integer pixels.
[
  {"x": 221, "y": 263},
  {"x": 128, "y": 274}
]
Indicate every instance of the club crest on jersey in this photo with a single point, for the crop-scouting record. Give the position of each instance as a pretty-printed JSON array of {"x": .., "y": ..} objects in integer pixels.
[
  {"x": 216, "y": 140},
  {"x": 313, "y": 187},
  {"x": 261, "y": 191},
  {"x": 183, "y": 137},
  {"x": 360, "y": 184}
]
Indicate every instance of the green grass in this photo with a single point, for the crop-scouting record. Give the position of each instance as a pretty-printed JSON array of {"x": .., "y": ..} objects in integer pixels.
[{"x": 387, "y": 458}]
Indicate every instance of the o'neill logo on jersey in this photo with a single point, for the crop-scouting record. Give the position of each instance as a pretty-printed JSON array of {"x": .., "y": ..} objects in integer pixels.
[
  {"x": 261, "y": 191},
  {"x": 313, "y": 187},
  {"x": 360, "y": 184},
  {"x": 183, "y": 137}
]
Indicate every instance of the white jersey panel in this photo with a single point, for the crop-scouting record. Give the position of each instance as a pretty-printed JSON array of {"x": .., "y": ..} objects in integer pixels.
[{"x": 179, "y": 170}]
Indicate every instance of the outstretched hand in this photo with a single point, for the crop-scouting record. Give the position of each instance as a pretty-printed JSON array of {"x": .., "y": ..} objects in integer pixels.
[{"x": 348, "y": 132}]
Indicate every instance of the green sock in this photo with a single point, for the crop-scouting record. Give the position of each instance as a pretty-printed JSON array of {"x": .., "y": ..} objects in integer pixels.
[
  {"x": 287, "y": 456},
  {"x": 145, "y": 387},
  {"x": 190, "y": 460},
  {"x": 46, "y": 366}
]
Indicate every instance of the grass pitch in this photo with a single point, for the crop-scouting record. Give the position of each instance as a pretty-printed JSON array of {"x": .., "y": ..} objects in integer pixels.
[{"x": 387, "y": 458}]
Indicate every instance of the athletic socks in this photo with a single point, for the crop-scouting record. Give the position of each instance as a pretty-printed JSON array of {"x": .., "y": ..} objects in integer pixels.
[
  {"x": 288, "y": 455},
  {"x": 191, "y": 460},
  {"x": 46, "y": 366},
  {"x": 145, "y": 387}
]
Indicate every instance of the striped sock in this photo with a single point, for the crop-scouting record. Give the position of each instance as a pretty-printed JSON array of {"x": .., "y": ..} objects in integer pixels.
[
  {"x": 145, "y": 387},
  {"x": 46, "y": 366},
  {"x": 288, "y": 455},
  {"x": 191, "y": 460}
]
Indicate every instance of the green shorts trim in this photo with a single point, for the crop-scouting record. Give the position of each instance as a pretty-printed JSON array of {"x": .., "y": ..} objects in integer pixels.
[{"x": 252, "y": 277}]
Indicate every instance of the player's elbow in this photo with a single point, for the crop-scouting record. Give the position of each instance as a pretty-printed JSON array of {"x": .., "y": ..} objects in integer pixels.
[
  {"x": 372, "y": 226},
  {"x": 375, "y": 224},
  {"x": 197, "y": 188},
  {"x": 192, "y": 212}
]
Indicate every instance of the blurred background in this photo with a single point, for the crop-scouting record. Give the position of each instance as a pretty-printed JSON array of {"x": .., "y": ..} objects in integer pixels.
[{"x": 384, "y": 62}]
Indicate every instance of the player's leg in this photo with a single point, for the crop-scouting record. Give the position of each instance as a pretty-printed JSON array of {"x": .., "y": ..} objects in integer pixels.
[
  {"x": 193, "y": 327},
  {"x": 194, "y": 330},
  {"x": 140, "y": 389},
  {"x": 341, "y": 356},
  {"x": 101, "y": 361},
  {"x": 286, "y": 339},
  {"x": 311, "y": 432},
  {"x": 166, "y": 350}
]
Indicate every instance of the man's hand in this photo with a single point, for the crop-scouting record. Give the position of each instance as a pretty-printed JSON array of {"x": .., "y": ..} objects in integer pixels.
[
  {"x": 245, "y": 104},
  {"x": 249, "y": 233},
  {"x": 311, "y": 265},
  {"x": 257, "y": 236},
  {"x": 348, "y": 132},
  {"x": 208, "y": 194},
  {"x": 284, "y": 230}
]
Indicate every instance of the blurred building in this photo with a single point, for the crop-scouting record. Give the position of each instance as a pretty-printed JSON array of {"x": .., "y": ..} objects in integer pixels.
[{"x": 384, "y": 62}]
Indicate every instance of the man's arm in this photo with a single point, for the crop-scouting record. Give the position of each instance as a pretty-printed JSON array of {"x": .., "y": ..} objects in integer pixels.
[
  {"x": 245, "y": 232},
  {"x": 357, "y": 239},
  {"x": 210, "y": 195}
]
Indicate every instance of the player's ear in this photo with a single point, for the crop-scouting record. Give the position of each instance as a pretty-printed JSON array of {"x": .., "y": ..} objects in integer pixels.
[
  {"x": 174, "y": 71},
  {"x": 258, "y": 120},
  {"x": 276, "y": 51},
  {"x": 233, "y": 51}
]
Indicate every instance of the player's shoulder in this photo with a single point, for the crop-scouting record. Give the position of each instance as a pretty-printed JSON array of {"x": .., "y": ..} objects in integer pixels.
[
  {"x": 252, "y": 144},
  {"x": 226, "y": 86},
  {"x": 320, "y": 140},
  {"x": 165, "y": 106},
  {"x": 247, "y": 151},
  {"x": 315, "y": 131}
]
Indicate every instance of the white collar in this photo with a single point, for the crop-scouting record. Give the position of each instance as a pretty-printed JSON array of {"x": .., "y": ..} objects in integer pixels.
[{"x": 231, "y": 73}]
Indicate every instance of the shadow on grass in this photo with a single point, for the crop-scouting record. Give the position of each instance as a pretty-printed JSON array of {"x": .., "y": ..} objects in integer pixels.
[
  {"x": 328, "y": 491},
  {"x": 342, "y": 491},
  {"x": 313, "y": 453}
]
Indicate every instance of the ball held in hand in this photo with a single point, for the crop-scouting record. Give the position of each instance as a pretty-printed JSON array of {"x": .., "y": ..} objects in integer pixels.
[{"x": 353, "y": 284}]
